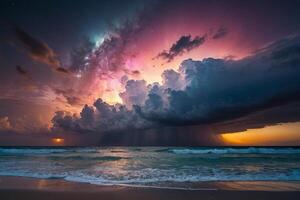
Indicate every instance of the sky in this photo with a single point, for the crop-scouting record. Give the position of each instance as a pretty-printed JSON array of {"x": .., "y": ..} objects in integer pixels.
[{"x": 149, "y": 72}]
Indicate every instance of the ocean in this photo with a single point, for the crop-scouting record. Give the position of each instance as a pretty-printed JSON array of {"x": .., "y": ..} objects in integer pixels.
[{"x": 152, "y": 166}]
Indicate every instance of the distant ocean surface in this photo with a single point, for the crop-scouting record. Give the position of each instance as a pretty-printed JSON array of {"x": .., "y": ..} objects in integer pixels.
[{"x": 152, "y": 166}]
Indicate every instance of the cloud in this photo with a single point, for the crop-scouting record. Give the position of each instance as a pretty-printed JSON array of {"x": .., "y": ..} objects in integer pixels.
[
  {"x": 218, "y": 90},
  {"x": 220, "y": 33},
  {"x": 70, "y": 96},
  {"x": 5, "y": 124},
  {"x": 135, "y": 93},
  {"x": 218, "y": 93},
  {"x": 101, "y": 117},
  {"x": 108, "y": 58},
  {"x": 184, "y": 44},
  {"x": 30, "y": 83},
  {"x": 100, "y": 66},
  {"x": 61, "y": 69},
  {"x": 80, "y": 55},
  {"x": 72, "y": 100},
  {"x": 21, "y": 70},
  {"x": 134, "y": 73},
  {"x": 39, "y": 51},
  {"x": 172, "y": 80},
  {"x": 272, "y": 116}
]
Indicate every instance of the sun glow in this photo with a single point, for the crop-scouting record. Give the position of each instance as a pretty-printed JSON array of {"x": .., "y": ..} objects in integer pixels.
[
  {"x": 58, "y": 141},
  {"x": 112, "y": 98},
  {"x": 282, "y": 134}
]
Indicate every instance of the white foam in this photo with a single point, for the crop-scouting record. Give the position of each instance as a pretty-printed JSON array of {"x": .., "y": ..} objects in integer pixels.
[{"x": 250, "y": 150}]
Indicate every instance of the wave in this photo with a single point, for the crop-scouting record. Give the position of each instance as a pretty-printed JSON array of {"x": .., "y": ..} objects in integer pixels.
[
  {"x": 117, "y": 151},
  {"x": 46, "y": 150},
  {"x": 97, "y": 158},
  {"x": 163, "y": 150},
  {"x": 31, "y": 151},
  {"x": 157, "y": 178},
  {"x": 250, "y": 150}
]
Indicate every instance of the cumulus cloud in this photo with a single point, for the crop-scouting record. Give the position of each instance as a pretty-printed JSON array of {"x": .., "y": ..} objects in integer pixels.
[
  {"x": 135, "y": 93},
  {"x": 172, "y": 80},
  {"x": 101, "y": 117},
  {"x": 184, "y": 44},
  {"x": 218, "y": 90},
  {"x": 220, "y": 93}
]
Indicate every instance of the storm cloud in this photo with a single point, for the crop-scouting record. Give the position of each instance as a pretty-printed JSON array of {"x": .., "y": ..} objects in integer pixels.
[
  {"x": 184, "y": 44},
  {"x": 212, "y": 92}
]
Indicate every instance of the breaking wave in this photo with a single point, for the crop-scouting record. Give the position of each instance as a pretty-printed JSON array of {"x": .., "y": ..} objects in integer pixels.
[{"x": 250, "y": 150}]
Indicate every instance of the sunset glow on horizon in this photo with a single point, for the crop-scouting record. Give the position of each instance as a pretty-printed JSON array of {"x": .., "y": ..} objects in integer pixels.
[
  {"x": 58, "y": 141},
  {"x": 277, "y": 135}
]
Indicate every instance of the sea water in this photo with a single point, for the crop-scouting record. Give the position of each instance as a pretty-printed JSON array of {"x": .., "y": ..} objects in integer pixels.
[{"x": 152, "y": 166}]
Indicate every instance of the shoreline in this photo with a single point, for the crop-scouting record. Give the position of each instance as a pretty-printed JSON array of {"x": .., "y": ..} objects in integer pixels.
[
  {"x": 33, "y": 188},
  {"x": 9, "y": 182}
]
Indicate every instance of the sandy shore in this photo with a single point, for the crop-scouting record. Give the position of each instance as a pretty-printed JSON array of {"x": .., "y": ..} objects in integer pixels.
[{"x": 28, "y": 188}]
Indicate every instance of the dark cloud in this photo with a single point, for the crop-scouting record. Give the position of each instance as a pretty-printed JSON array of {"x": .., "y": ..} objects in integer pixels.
[
  {"x": 21, "y": 70},
  {"x": 36, "y": 49},
  {"x": 184, "y": 44},
  {"x": 219, "y": 93},
  {"x": 220, "y": 33},
  {"x": 218, "y": 90},
  {"x": 280, "y": 114},
  {"x": 80, "y": 53},
  {"x": 70, "y": 96},
  {"x": 135, "y": 72},
  {"x": 73, "y": 100},
  {"x": 101, "y": 117},
  {"x": 63, "y": 70},
  {"x": 30, "y": 83},
  {"x": 132, "y": 72}
]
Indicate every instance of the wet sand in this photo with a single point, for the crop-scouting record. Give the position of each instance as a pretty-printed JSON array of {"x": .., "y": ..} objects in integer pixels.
[{"x": 12, "y": 188}]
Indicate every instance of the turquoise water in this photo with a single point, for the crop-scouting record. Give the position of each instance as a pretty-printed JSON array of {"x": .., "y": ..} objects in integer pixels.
[{"x": 155, "y": 166}]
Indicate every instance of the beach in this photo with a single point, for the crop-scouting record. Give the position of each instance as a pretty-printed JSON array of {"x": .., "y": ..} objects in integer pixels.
[
  {"x": 31, "y": 188},
  {"x": 149, "y": 173}
]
